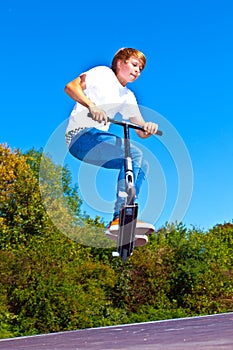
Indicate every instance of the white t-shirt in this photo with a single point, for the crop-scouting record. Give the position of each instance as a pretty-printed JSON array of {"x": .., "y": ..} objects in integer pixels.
[{"x": 104, "y": 89}]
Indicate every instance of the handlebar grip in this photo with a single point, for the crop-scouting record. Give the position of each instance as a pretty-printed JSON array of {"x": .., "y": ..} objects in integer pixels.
[{"x": 131, "y": 125}]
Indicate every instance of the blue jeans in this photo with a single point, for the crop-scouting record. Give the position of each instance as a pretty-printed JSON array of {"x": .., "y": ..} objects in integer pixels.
[{"x": 106, "y": 150}]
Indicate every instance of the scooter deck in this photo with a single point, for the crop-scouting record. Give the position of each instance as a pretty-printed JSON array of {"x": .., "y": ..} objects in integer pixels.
[{"x": 141, "y": 228}]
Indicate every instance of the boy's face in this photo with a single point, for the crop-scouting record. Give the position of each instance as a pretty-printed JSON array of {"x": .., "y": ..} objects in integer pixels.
[{"x": 129, "y": 70}]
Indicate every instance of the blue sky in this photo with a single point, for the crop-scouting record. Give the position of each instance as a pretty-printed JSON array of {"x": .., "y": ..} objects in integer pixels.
[{"x": 188, "y": 80}]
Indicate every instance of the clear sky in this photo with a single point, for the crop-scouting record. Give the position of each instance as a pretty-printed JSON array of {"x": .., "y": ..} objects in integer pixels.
[{"x": 188, "y": 81}]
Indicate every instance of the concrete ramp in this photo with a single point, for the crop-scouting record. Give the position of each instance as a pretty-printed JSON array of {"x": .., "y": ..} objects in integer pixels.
[{"x": 213, "y": 332}]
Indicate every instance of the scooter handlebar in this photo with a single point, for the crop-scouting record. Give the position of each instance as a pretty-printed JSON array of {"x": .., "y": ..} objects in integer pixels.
[{"x": 132, "y": 125}]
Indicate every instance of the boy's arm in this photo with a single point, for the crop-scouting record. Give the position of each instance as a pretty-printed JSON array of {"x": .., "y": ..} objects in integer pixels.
[{"x": 75, "y": 90}]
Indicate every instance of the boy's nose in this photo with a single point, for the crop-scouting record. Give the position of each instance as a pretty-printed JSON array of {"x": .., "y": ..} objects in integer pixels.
[{"x": 136, "y": 70}]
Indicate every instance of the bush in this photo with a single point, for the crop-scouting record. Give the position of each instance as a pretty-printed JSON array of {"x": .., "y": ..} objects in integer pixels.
[{"x": 50, "y": 282}]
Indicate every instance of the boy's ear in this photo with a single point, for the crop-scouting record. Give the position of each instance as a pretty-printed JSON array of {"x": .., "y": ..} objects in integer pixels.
[{"x": 119, "y": 64}]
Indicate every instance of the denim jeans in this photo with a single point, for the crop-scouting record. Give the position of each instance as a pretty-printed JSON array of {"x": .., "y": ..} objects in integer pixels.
[{"x": 106, "y": 150}]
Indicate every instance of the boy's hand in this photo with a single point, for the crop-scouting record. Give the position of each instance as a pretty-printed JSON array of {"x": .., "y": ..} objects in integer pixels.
[
  {"x": 98, "y": 114},
  {"x": 150, "y": 128}
]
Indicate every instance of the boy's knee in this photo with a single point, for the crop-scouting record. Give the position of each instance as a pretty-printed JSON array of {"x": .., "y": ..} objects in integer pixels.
[{"x": 136, "y": 155}]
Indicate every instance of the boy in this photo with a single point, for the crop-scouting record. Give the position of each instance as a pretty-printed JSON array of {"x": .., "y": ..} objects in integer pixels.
[{"x": 101, "y": 92}]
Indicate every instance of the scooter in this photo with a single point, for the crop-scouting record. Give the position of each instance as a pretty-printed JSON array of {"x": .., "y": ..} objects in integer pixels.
[{"x": 129, "y": 210}]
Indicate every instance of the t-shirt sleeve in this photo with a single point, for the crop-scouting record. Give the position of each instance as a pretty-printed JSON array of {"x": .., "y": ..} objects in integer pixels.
[{"x": 96, "y": 74}]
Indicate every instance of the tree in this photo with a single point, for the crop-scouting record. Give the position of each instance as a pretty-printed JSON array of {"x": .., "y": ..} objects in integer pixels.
[
  {"x": 21, "y": 212},
  {"x": 48, "y": 282}
]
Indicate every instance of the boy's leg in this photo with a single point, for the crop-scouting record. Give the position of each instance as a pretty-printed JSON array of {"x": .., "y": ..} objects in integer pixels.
[
  {"x": 107, "y": 150},
  {"x": 140, "y": 170},
  {"x": 102, "y": 149}
]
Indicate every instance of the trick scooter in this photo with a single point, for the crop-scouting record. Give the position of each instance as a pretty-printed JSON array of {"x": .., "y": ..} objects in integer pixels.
[{"x": 129, "y": 210}]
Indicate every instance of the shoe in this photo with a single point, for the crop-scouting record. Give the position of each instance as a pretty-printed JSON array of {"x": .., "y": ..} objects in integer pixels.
[
  {"x": 142, "y": 228},
  {"x": 113, "y": 230},
  {"x": 113, "y": 227}
]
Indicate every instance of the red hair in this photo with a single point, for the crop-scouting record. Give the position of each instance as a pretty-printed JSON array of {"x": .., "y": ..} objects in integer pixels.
[{"x": 124, "y": 54}]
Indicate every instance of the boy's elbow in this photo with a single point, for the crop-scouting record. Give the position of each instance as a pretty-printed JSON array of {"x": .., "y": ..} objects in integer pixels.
[{"x": 67, "y": 89}]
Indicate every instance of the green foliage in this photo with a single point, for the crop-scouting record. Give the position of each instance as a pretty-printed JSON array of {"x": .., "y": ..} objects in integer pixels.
[
  {"x": 48, "y": 293},
  {"x": 21, "y": 210},
  {"x": 50, "y": 282}
]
